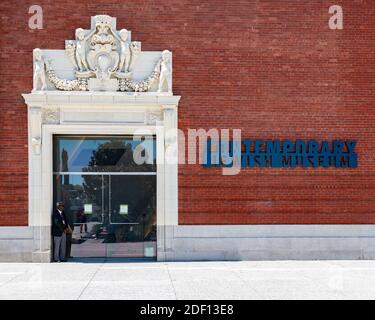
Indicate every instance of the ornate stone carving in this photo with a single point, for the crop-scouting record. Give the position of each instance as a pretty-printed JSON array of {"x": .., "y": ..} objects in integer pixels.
[
  {"x": 36, "y": 144},
  {"x": 35, "y": 127},
  {"x": 165, "y": 72},
  {"x": 104, "y": 60},
  {"x": 63, "y": 84},
  {"x": 80, "y": 49},
  {"x": 70, "y": 49},
  {"x": 125, "y": 54},
  {"x": 140, "y": 86},
  {"x": 39, "y": 71},
  {"x": 153, "y": 117},
  {"x": 50, "y": 115}
]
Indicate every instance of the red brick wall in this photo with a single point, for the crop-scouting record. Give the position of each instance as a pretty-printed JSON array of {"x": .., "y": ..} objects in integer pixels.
[{"x": 271, "y": 68}]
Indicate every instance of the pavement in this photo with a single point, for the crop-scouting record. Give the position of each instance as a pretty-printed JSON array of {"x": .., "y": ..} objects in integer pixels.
[{"x": 100, "y": 279}]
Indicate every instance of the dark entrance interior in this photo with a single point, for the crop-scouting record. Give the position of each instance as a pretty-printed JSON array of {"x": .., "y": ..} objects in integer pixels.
[{"x": 109, "y": 197}]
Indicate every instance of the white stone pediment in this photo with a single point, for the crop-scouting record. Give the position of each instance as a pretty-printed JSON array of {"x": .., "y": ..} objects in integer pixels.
[{"x": 103, "y": 59}]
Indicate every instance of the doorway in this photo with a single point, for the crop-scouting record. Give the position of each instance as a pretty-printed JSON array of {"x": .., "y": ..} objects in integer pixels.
[{"x": 109, "y": 195}]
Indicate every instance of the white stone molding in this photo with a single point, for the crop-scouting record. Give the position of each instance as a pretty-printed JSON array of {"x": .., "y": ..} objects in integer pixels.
[
  {"x": 154, "y": 118},
  {"x": 54, "y": 99},
  {"x": 84, "y": 113},
  {"x": 51, "y": 115},
  {"x": 170, "y": 173},
  {"x": 35, "y": 129},
  {"x": 36, "y": 143}
]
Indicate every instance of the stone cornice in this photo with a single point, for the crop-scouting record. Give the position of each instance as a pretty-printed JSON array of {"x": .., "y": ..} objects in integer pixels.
[{"x": 42, "y": 98}]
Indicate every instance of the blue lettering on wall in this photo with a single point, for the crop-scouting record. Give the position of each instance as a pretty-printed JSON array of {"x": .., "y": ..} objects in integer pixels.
[{"x": 283, "y": 154}]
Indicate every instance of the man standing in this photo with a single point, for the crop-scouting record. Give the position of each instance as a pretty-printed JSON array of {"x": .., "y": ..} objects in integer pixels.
[{"x": 59, "y": 229}]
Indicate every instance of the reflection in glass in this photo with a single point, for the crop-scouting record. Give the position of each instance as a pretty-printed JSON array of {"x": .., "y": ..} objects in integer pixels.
[
  {"x": 103, "y": 154},
  {"x": 109, "y": 198},
  {"x": 132, "y": 202},
  {"x": 113, "y": 215}
]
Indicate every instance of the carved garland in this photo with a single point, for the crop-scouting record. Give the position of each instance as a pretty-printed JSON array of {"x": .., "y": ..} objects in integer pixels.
[
  {"x": 63, "y": 84},
  {"x": 140, "y": 86},
  {"x": 103, "y": 59},
  {"x": 81, "y": 84}
]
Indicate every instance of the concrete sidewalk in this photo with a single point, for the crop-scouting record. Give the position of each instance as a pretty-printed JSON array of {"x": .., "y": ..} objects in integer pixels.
[{"x": 97, "y": 279}]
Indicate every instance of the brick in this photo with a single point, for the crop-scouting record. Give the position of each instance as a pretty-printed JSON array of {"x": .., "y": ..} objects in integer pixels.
[{"x": 271, "y": 68}]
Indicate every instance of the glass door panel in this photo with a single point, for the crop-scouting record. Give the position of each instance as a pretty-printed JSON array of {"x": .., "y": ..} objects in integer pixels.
[
  {"x": 132, "y": 215},
  {"x": 84, "y": 209},
  {"x": 112, "y": 215},
  {"x": 109, "y": 199}
]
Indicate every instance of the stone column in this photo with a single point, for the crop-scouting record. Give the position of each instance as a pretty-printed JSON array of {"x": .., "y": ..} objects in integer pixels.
[
  {"x": 170, "y": 176},
  {"x": 35, "y": 178}
]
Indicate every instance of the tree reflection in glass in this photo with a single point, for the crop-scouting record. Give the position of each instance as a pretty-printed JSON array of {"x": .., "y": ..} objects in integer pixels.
[
  {"x": 107, "y": 194},
  {"x": 136, "y": 192}
]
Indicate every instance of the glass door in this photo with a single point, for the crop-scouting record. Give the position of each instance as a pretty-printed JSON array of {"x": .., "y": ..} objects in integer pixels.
[
  {"x": 83, "y": 196},
  {"x": 131, "y": 215},
  {"x": 112, "y": 213}
]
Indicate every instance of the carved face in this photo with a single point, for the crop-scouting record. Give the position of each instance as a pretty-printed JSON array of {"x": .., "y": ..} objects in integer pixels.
[
  {"x": 102, "y": 27},
  {"x": 166, "y": 55},
  {"x": 123, "y": 34},
  {"x": 136, "y": 47},
  {"x": 105, "y": 29},
  {"x": 37, "y": 54},
  {"x": 80, "y": 34}
]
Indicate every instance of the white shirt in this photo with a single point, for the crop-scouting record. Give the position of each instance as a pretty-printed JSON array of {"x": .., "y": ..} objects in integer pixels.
[{"x": 61, "y": 216}]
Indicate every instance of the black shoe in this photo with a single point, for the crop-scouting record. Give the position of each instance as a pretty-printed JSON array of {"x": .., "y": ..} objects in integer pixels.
[
  {"x": 63, "y": 260},
  {"x": 55, "y": 261}
]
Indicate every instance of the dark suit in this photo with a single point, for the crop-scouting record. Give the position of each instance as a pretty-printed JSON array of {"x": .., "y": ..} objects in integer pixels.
[{"x": 59, "y": 225}]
